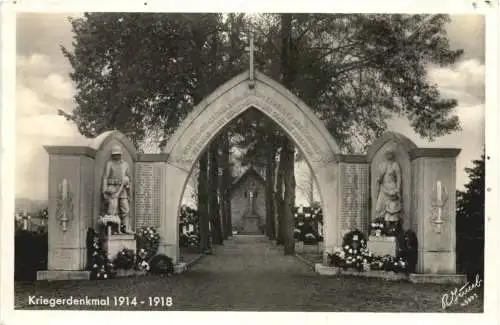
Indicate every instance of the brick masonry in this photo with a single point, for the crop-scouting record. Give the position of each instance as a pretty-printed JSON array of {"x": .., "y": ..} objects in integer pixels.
[{"x": 354, "y": 188}]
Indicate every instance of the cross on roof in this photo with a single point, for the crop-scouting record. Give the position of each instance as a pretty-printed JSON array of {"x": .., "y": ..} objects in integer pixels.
[{"x": 251, "y": 50}]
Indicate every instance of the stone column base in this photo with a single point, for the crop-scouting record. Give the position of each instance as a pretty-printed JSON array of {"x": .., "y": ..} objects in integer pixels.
[
  {"x": 326, "y": 270},
  {"x": 115, "y": 243},
  {"x": 180, "y": 267},
  {"x": 381, "y": 246},
  {"x": 438, "y": 278},
  {"x": 56, "y": 275}
]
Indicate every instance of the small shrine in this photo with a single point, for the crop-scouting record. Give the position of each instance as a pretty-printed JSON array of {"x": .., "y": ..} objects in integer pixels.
[{"x": 248, "y": 203}]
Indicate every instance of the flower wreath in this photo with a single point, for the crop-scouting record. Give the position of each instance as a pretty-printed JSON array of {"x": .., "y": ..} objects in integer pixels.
[{"x": 353, "y": 253}]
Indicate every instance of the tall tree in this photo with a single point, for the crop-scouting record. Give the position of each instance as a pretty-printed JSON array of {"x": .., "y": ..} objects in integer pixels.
[
  {"x": 213, "y": 194},
  {"x": 471, "y": 221},
  {"x": 226, "y": 180},
  {"x": 288, "y": 151},
  {"x": 203, "y": 203}
]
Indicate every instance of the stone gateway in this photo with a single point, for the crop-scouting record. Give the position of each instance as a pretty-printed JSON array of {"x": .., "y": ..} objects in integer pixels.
[{"x": 347, "y": 184}]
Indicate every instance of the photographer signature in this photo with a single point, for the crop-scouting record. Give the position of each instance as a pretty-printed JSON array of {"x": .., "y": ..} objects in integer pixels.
[{"x": 463, "y": 295}]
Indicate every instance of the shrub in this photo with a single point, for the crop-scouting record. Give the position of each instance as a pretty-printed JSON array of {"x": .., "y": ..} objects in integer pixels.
[
  {"x": 30, "y": 254},
  {"x": 161, "y": 264},
  {"x": 408, "y": 249},
  {"x": 125, "y": 259}
]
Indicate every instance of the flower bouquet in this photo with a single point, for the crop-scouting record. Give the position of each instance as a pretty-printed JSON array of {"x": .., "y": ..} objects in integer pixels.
[
  {"x": 296, "y": 234},
  {"x": 377, "y": 227},
  {"x": 147, "y": 239},
  {"x": 111, "y": 223},
  {"x": 99, "y": 265},
  {"x": 353, "y": 253}
]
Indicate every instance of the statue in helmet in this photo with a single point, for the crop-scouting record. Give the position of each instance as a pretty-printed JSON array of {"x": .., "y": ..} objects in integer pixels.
[{"x": 117, "y": 189}]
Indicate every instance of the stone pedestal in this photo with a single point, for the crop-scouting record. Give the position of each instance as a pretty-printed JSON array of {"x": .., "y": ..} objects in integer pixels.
[
  {"x": 251, "y": 224},
  {"x": 381, "y": 246},
  {"x": 436, "y": 241},
  {"x": 71, "y": 171},
  {"x": 434, "y": 209},
  {"x": 113, "y": 244}
]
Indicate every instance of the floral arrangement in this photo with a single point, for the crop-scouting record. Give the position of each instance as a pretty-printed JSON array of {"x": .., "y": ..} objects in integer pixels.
[
  {"x": 189, "y": 228},
  {"x": 110, "y": 221},
  {"x": 389, "y": 263},
  {"x": 98, "y": 263},
  {"x": 125, "y": 259},
  {"x": 190, "y": 239},
  {"x": 377, "y": 227},
  {"x": 296, "y": 233},
  {"x": 147, "y": 238},
  {"x": 307, "y": 221},
  {"x": 354, "y": 254},
  {"x": 147, "y": 242}
]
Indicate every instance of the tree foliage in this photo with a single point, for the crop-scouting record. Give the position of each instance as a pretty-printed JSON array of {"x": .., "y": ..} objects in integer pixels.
[
  {"x": 140, "y": 71},
  {"x": 471, "y": 219}
]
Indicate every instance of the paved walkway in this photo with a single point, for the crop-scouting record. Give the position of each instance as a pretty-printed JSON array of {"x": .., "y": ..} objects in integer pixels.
[
  {"x": 248, "y": 256},
  {"x": 249, "y": 273}
]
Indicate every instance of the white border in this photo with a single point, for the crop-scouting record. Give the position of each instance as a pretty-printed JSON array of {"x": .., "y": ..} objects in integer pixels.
[{"x": 8, "y": 56}]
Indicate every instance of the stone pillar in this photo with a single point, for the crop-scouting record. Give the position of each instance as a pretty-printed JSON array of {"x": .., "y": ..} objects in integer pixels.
[
  {"x": 433, "y": 206},
  {"x": 71, "y": 183},
  {"x": 328, "y": 183},
  {"x": 173, "y": 182},
  {"x": 354, "y": 194}
]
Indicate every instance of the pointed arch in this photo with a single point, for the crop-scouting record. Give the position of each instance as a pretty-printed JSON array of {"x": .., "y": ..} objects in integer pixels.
[{"x": 219, "y": 109}]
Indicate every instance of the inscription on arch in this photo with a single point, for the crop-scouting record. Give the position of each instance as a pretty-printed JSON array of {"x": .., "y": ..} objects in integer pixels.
[{"x": 297, "y": 125}]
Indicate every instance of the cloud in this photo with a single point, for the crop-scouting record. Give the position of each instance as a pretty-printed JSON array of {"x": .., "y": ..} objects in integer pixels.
[
  {"x": 39, "y": 89},
  {"x": 40, "y": 92},
  {"x": 43, "y": 86},
  {"x": 467, "y": 32},
  {"x": 463, "y": 81}
]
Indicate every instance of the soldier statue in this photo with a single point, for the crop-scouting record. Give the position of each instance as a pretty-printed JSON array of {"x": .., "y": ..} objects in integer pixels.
[{"x": 117, "y": 189}]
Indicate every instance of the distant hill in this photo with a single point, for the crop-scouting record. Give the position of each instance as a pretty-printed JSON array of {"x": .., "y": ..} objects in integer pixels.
[{"x": 29, "y": 205}]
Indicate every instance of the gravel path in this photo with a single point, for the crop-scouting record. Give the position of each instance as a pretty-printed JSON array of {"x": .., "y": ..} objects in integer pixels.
[{"x": 250, "y": 273}]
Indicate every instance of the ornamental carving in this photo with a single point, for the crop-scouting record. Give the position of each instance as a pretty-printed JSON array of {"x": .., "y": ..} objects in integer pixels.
[
  {"x": 64, "y": 204},
  {"x": 439, "y": 198}
]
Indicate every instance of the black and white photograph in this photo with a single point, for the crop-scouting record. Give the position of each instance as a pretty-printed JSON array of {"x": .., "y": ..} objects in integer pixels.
[{"x": 238, "y": 161}]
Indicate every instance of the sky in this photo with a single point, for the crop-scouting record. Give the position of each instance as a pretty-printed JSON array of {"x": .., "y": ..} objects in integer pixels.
[{"x": 43, "y": 86}]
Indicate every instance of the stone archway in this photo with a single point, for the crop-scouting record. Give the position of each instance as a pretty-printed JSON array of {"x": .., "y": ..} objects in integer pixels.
[{"x": 208, "y": 119}]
